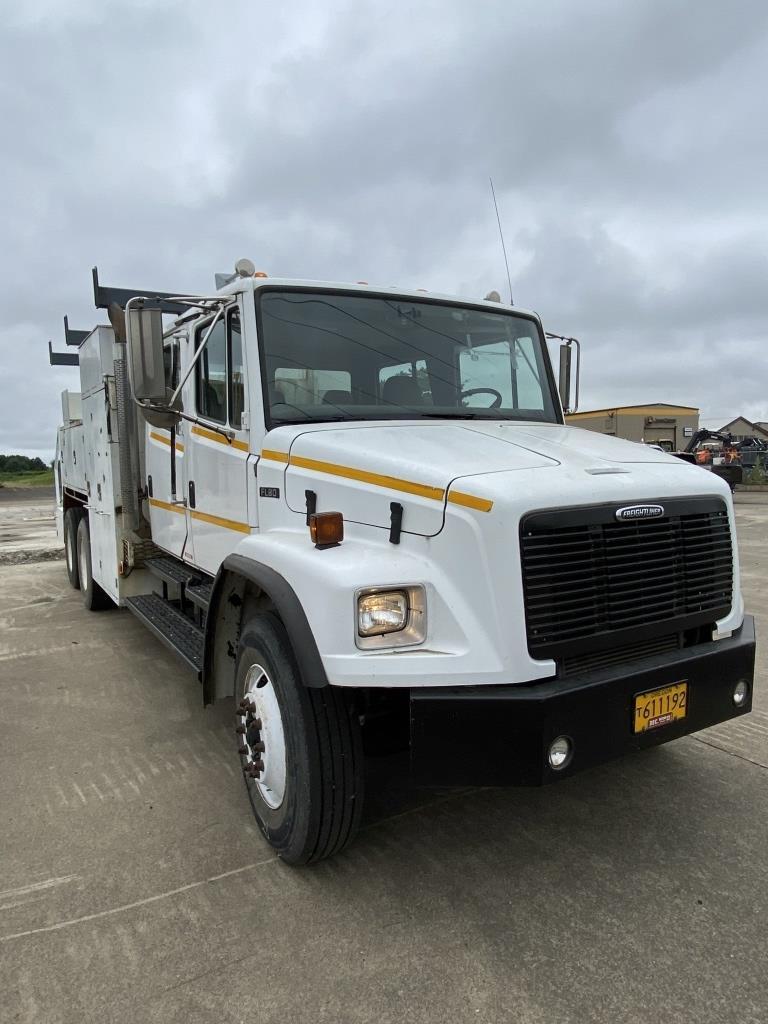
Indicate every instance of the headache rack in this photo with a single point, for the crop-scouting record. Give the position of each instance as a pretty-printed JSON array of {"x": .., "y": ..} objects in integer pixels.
[
  {"x": 593, "y": 584},
  {"x": 104, "y": 297}
]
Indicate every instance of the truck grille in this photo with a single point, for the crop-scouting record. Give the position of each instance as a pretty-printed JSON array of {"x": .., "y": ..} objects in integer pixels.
[{"x": 591, "y": 583}]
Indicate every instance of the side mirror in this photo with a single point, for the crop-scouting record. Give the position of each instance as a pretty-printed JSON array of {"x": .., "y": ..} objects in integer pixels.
[
  {"x": 564, "y": 384},
  {"x": 144, "y": 329}
]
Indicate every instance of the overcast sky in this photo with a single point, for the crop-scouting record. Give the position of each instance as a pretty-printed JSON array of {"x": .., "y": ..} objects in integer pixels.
[{"x": 353, "y": 140}]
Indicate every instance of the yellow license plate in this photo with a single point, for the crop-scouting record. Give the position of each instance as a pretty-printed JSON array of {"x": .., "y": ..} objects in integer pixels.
[{"x": 660, "y": 707}]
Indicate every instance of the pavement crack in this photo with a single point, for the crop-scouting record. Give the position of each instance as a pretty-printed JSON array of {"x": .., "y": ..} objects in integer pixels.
[
  {"x": 208, "y": 972},
  {"x": 28, "y": 890},
  {"x": 59, "y": 925},
  {"x": 731, "y": 753}
]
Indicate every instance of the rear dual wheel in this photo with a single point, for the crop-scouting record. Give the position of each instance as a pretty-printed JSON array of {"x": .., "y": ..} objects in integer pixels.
[
  {"x": 300, "y": 749},
  {"x": 72, "y": 519},
  {"x": 94, "y": 598}
]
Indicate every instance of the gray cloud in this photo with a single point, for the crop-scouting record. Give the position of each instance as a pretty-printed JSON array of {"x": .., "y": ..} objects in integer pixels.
[{"x": 162, "y": 141}]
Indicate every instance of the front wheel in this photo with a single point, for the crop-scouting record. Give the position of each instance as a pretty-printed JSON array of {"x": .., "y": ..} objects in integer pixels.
[{"x": 300, "y": 749}]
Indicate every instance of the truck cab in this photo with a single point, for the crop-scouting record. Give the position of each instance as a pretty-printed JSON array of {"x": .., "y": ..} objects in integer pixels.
[{"x": 353, "y": 506}]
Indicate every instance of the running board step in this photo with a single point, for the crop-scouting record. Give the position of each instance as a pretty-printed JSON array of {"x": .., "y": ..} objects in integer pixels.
[
  {"x": 173, "y": 570},
  {"x": 170, "y": 569},
  {"x": 199, "y": 593},
  {"x": 170, "y": 627}
]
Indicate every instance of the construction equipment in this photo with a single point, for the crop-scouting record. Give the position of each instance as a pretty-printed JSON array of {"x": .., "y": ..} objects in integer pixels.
[
  {"x": 356, "y": 511},
  {"x": 727, "y": 457}
]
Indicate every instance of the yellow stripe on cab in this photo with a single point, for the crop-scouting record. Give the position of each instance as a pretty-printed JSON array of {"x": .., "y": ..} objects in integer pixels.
[
  {"x": 166, "y": 506},
  {"x": 166, "y": 440},
  {"x": 228, "y": 524},
  {"x": 470, "y": 501},
  {"x": 212, "y": 435},
  {"x": 392, "y": 483}
]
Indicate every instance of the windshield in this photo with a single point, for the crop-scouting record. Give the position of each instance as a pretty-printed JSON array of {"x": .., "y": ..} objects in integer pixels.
[{"x": 331, "y": 356}]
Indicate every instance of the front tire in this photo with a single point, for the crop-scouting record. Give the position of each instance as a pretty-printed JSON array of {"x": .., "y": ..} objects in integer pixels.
[
  {"x": 94, "y": 598},
  {"x": 71, "y": 522},
  {"x": 300, "y": 749}
]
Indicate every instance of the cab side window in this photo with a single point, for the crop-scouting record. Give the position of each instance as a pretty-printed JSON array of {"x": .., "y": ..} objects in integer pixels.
[
  {"x": 171, "y": 362},
  {"x": 211, "y": 373},
  {"x": 530, "y": 394},
  {"x": 235, "y": 376}
]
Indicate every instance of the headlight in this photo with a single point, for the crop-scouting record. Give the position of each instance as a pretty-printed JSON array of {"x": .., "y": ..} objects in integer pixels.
[
  {"x": 390, "y": 617},
  {"x": 386, "y": 612}
]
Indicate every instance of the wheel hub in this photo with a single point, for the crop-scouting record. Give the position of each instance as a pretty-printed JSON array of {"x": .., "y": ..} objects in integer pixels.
[{"x": 261, "y": 729}]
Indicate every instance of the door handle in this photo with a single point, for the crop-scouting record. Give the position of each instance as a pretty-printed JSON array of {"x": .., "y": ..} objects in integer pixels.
[{"x": 191, "y": 493}]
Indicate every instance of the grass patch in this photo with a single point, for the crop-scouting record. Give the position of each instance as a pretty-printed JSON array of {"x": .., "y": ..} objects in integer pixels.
[
  {"x": 756, "y": 476},
  {"x": 39, "y": 479}
]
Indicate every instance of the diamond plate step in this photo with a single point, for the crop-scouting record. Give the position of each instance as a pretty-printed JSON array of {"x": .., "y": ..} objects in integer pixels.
[
  {"x": 200, "y": 594},
  {"x": 169, "y": 569},
  {"x": 170, "y": 627}
]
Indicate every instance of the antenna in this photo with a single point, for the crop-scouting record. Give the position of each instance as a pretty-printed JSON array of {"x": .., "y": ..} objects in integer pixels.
[{"x": 501, "y": 236}]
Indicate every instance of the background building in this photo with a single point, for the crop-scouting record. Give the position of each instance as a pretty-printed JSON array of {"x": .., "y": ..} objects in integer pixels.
[
  {"x": 742, "y": 428},
  {"x": 670, "y": 426}
]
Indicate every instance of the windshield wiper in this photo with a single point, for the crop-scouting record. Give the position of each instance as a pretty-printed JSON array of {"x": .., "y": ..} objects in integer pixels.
[
  {"x": 311, "y": 419},
  {"x": 463, "y": 415}
]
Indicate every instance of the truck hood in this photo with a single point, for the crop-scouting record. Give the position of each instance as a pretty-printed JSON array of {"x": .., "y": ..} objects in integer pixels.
[
  {"x": 362, "y": 469},
  {"x": 563, "y": 443}
]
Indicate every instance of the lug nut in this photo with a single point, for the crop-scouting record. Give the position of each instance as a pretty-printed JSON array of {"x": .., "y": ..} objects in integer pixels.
[
  {"x": 258, "y": 748},
  {"x": 255, "y": 723},
  {"x": 242, "y": 750},
  {"x": 254, "y": 773},
  {"x": 258, "y": 765},
  {"x": 241, "y": 730}
]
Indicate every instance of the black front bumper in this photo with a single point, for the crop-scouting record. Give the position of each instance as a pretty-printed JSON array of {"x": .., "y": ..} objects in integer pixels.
[{"x": 499, "y": 735}]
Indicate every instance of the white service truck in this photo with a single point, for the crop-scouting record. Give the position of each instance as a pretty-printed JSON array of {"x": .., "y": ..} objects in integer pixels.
[{"x": 358, "y": 512}]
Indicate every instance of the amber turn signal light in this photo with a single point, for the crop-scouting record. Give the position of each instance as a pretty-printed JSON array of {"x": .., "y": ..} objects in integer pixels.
[{"x": 326, "y": 529}]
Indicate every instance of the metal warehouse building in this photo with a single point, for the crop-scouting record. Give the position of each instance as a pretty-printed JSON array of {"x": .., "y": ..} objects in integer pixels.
[{"x": 670, "y": 426}]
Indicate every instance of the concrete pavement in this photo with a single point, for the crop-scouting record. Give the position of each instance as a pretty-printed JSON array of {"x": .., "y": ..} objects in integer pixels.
[
  {"x": 134, "y": 886},
  {"x": 27, "y": 525}
]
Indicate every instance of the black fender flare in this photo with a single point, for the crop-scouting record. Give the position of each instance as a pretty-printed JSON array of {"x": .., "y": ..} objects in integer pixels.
[{"x": 288, "y": 607}]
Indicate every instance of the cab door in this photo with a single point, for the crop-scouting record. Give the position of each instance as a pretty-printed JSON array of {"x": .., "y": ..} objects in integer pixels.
[
  {"x": 217, "y": 464},
  {"x": 166, "y": 472}
]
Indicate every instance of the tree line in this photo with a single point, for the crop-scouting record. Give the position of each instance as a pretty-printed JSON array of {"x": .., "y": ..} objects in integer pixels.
[{"x": 21, "y": 464}]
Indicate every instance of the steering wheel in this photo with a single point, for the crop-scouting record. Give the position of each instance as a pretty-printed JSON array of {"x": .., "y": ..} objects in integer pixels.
[{"x": 484, "y": 391}]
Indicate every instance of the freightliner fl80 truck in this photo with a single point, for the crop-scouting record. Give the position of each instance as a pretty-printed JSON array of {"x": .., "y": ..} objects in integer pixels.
[{"x": 356, "y": 511}]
